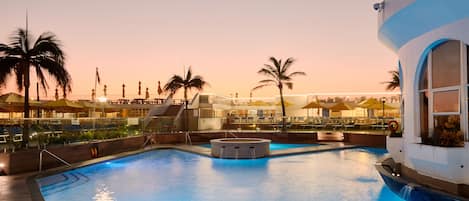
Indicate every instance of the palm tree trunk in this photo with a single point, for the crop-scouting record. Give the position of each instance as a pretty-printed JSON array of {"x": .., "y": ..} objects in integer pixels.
[
  {"x": 38, "y": 115},
  {"x": 26, "y": 105},
  {"x": 186, "y": 116},
  {"x": 284, "y": 118}
]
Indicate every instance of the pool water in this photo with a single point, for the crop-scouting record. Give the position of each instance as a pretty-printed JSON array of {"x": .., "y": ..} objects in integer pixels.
[
  {"x": 276, "y": 146},
  {"x": 175, "y": 175}
]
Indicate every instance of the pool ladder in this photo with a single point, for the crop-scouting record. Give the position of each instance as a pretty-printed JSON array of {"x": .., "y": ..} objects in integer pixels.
[
  {"x": 222, "y": 148},
  {"x": 188, "y": 138},
  {"x": 236, "y": 152},
  {"x": 253, "y": 152},
  {"x": 230, "y": 133},
  {"x": 54, "y": 156}
]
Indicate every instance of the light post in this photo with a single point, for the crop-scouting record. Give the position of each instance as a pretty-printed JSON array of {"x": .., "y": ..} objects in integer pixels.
[{"x": 102, "y": 100}]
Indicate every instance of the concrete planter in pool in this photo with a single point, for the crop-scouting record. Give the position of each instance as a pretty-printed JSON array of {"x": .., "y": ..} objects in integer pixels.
[{"x": 240, "y": 148}]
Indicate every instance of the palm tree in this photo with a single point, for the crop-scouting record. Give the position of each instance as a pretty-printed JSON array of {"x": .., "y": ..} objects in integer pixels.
[
  {"x": 187, "y": 83},
  {"x": 278, "y": 76},
  {"x": 395, "y": 81},
  {"x": 21, "y": 55}
]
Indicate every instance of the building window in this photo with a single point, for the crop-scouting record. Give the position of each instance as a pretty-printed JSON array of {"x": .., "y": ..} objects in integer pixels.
[{"x": 440, "y": 101}]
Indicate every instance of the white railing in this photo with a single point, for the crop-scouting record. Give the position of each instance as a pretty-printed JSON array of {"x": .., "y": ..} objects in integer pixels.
[{"x": 157, "y": 110}]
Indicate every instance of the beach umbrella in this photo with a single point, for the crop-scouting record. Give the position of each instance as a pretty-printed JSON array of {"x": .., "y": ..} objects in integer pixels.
[
  {"x": 13, "y": 102},
  {"x": 341, "y": 106},
  {"x": 139, "y": 88},
  {"x": 99, "y": 106},
  {"x": 287, "y": 103},
  {"x": 147, "y": 94},
  {"x": 160, "y": 91},
  {"x": 64, "y": 106},
  {"x": 379, "y": 106},
  {"x": 123, "y": 90},
  {"x": 367, "y": 102},
  {"x": 313, "y": 104},
  {"x": 258, "y": 103}
]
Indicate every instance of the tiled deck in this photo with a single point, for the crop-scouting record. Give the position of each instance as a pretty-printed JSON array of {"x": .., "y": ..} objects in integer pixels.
[{"x": 15, "y": 187}]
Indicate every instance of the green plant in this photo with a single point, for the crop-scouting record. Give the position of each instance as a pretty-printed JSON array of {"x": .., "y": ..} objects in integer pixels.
[{"x": 449, "y": 138}]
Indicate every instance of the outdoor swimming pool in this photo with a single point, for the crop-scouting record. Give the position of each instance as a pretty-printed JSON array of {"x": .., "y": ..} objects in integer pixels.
[
  {"x": 175, "y": 175},
  {"x": 276, "y": 146}
]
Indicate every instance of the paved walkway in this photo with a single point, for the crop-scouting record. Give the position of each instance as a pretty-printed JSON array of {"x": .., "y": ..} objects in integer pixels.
[{"x": 15, "y": 187}]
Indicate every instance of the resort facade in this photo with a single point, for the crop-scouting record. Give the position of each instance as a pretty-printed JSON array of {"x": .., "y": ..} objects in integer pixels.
[{"x": 431, "y": 39}]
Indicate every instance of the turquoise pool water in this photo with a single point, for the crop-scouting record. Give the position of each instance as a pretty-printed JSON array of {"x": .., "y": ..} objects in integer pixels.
[
  {"x": 276, "y": 146},
  {"x": 175, "y": 175}
]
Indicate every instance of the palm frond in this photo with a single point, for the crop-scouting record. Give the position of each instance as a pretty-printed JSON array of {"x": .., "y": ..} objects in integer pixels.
[
  {"x": 188, "y": 75},
  {"x": 268, "y": 72},
  {"x": 48, "y": 44},
  {"x": 395, "y": 81},
  {"x": 7, "y": 66},
  {"x": 289, "y": 85},
  {"x": 19, "y": 77},
  {"x": 296, "y": 74},
  {"x": 261, "y": 86},
  {"x": 287, "y": 65},
  {"x": 267, "y": 81},
  {"x": 197, "y": 82}
]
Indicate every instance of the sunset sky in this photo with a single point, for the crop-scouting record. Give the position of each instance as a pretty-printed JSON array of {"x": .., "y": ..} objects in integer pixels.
[{"x": 334, "y": 42}]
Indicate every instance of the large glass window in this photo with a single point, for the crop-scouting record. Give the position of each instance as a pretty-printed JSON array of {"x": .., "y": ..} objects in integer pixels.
[
  {"x": 446, "y": 65},
  {"x": 446, "y": 101},
  {"x": 439, "y": 96}
]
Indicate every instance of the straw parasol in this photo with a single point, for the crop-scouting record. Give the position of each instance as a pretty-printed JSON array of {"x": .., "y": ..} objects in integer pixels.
[
  {"x": 341, "y": 106},
  {"x": 106, "y": 106},
  {"x": 379, "y": 106},
  {"x": 287, "y": 103},
  {"x": 64, "y": 106},
  {"x": 313, "y": 104},
  {"x": 368, "y": 102},
  {"x": 258, "y": 103},
  {"x": 13, "y": 102},
  {"x": 160, "y": 91}
]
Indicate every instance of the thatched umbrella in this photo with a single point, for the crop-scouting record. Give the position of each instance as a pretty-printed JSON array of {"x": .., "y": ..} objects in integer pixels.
[
  {"x": 341, "y": 106},
  {"x": 367, "y": 102},
  {"x": 12, "y": 102},
  {"x": 258, "y": 103},
  {"x": 64, "y": 106},
  {"x": 105, "y": 106},
  {"x": 313, "y": 105}
]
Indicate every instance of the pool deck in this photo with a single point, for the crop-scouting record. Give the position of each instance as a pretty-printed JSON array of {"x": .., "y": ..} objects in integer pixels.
[{"x": 17, "y": 187}]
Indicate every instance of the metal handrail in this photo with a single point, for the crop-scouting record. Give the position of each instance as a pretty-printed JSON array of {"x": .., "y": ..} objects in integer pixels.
[
  {"x": 230, "y": 133},
  {"x": 54, "y": 156},
  {"x": 147, "y": 141},
  {"x": 188, "y": 138}
]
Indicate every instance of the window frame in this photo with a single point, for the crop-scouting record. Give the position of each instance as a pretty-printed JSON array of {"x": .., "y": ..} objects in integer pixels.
[{"x": 462, "y": 88}]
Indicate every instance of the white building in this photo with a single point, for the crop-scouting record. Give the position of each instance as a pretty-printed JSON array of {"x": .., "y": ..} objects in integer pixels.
[{"x": 431, "y": 38}]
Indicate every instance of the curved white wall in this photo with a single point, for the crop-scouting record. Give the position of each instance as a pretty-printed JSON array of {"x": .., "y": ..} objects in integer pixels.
[{"x": 450, "y": 164}]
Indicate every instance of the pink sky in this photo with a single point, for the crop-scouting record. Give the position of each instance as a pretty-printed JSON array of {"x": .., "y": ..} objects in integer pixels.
[{"x": 334, "y": 42}]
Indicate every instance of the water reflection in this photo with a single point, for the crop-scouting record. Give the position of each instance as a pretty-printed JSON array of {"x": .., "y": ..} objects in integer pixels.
[{"x": 103, "y": 194}]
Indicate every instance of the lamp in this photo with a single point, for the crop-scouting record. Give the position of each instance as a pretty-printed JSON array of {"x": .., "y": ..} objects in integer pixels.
[{"x": 378, "y": 6}]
